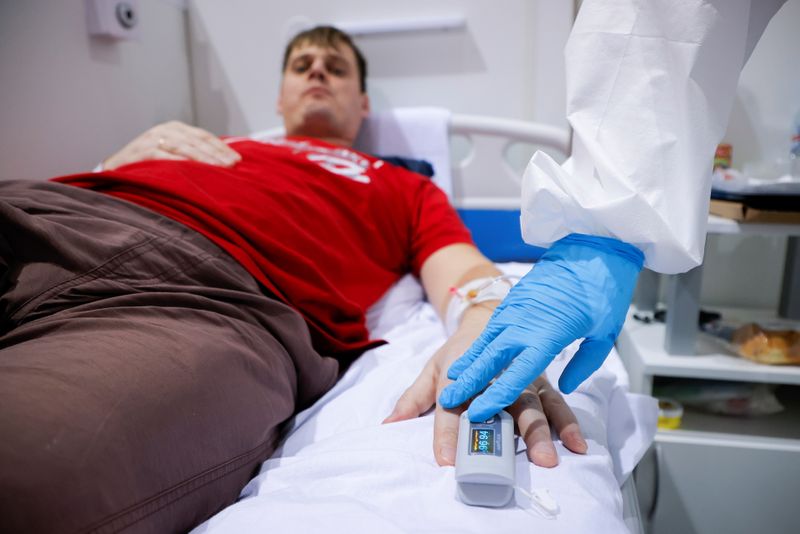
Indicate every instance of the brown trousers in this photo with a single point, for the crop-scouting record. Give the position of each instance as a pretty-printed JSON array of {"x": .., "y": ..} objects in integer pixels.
[{"x": 143, "y": 374}]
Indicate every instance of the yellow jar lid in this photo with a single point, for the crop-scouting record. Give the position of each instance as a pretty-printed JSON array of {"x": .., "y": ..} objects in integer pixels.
[{"x": 670, "y": 413}]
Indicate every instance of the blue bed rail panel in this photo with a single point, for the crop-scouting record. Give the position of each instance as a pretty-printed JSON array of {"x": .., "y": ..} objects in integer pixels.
[{"x": 497, "y": 234}]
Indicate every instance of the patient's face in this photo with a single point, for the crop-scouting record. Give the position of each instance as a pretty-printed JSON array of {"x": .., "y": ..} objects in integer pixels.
[{"x": 320, "y": 94}]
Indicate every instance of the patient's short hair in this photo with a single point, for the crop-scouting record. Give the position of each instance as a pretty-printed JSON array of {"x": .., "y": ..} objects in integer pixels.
[{"x": 328, "y": 37}]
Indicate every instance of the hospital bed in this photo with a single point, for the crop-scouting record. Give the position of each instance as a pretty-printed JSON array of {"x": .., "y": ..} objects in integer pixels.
[{"x": 339, "y": 470}]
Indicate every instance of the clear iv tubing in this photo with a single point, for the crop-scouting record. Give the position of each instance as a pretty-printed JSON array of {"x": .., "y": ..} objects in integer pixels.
[{"x": 541, "y": 502}]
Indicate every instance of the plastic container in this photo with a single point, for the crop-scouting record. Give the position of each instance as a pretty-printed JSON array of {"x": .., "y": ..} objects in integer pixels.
[
  {"x": 723, "y": 157},
  {"x": 670, "y": 413},
  {"x": 774, "y": 342}
]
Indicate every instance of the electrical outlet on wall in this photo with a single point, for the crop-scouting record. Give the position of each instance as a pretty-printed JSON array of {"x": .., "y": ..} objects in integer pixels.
[{"x": 115, "y": 19}]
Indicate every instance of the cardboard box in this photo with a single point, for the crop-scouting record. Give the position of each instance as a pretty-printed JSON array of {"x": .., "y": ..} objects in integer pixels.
[{"x": 742, "y": 213}]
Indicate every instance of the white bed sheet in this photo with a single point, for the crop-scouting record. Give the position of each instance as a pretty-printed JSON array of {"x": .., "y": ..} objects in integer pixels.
[{"x": 340, "y": 471}]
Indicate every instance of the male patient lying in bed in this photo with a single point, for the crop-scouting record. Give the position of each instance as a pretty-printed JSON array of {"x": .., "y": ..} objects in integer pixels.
[{"x": 162, "y": 318}]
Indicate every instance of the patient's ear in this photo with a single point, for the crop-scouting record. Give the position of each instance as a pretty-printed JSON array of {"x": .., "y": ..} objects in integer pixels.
[
  {"x": 365, "y": 106},
  {"x": 279, "y": 101}
]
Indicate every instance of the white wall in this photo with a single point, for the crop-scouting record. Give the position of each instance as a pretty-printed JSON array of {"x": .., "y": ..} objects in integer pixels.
[
  {"x": 68, "y": 100},
  {"x": 507, "y": 61}
]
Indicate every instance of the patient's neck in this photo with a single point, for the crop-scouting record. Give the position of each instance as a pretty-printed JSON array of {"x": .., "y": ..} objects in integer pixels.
[
  {"x": 335, "y": 141},
  {"x": 328, "y": 137},
  {"x": 322, "y": 130}
]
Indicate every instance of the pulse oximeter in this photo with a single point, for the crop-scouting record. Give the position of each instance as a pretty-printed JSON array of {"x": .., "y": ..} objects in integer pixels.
[{"x": 485, "y": 460}]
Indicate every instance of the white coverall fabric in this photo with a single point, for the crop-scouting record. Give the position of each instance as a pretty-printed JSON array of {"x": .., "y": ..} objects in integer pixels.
[{"x": 650, "y": 86}]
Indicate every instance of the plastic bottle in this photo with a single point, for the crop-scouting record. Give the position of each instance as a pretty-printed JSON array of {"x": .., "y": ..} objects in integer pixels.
[{"x": 794, "y": 152}]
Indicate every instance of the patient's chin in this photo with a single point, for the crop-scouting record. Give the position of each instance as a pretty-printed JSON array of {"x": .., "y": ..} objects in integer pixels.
[{"x": 320, "y": 122}]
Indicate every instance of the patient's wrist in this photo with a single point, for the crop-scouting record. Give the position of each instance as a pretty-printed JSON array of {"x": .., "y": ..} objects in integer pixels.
[
  {"x": 479, "y": 314},
  {"x": 473, "y": 323},
  {"x": 474, "y": 293}
]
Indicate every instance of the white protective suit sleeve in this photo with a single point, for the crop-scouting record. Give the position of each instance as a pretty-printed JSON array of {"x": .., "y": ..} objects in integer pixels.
[{"x": 650, "y": 86}]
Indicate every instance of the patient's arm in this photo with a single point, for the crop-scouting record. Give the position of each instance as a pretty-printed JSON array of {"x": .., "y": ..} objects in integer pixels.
[
  {"x": 453, "y": 266},
  {"x": 176, "y": 141},
  {"x": 533, "y": 411}
]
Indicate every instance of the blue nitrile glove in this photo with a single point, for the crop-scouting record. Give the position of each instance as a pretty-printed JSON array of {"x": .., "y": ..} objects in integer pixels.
[{"x": 580, "y": 288}]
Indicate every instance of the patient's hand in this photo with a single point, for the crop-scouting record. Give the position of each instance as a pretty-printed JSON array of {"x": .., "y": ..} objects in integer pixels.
[
  {"x": 538, "y": 406},
  {"x": 176, "y": 141}
]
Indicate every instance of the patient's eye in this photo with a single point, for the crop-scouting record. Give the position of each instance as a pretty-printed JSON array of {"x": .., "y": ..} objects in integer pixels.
[
  {"x": 333, "y": 64},
  {"x": 337, "y": 67},
  {"x": 300, "y": 65}
]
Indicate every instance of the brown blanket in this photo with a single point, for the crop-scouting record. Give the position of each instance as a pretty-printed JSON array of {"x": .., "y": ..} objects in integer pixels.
[{"x": 143, "y": 374}]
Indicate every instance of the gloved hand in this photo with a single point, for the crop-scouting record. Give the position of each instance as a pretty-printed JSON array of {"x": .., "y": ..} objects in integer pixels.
[{"x": 580, "y": 288}]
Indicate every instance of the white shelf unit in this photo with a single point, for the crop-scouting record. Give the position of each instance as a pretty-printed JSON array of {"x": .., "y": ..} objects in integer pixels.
[
  {"x": 715, "y": 473},
  {"x": 642, "y": 347},
  {"x": 683, "y": 290}
]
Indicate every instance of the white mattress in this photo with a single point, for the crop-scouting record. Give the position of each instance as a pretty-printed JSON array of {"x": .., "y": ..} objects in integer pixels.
[{"x": 340, "y": 471}]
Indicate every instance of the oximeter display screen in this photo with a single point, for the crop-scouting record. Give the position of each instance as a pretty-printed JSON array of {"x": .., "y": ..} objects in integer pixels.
[
  {"x": 484, "y": 438},
  {"x": 482, "y": 441}
]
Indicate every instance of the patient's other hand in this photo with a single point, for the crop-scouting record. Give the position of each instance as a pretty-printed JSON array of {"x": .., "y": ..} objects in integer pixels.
[
  {"x": 538, "y": 406},
  {"x": 176, "y": 141}
]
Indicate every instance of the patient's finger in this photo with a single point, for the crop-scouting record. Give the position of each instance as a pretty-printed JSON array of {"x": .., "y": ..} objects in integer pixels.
[
  {"x": 560, "y": 415},
  {"x": 214, "y": 145},
  {"x": 445, "y": 434},
  {"x": 182, "y": 139},
  {"x": 163, "y": 154},
  {"x": 534, "y": 429},
  {"x": 210, "y": 153},
  {"x": 417, "y": 399},
  {"x": 185, "y": 147},
  {"x": 221, "y": 146}
]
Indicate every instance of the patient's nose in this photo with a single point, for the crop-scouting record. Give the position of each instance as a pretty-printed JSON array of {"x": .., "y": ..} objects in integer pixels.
[{"x": 317, "y": 69}]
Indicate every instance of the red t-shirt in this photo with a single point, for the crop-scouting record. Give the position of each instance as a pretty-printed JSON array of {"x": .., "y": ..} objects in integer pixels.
[{"x": 325, "y": 228}]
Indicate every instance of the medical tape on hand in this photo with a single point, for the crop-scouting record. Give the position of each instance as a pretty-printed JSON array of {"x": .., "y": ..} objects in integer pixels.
[{"x": 472, "y": 293}]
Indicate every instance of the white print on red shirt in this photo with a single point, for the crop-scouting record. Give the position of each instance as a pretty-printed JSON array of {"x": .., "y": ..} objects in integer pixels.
[
  {"x": 340, "y": 166},
  {"x": 340, "y": 161}
]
